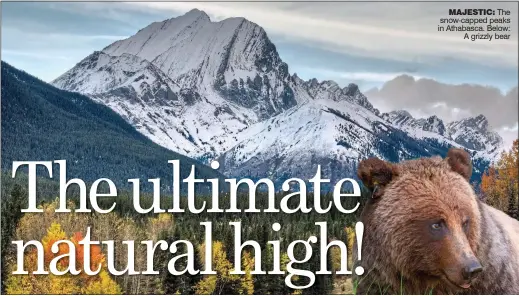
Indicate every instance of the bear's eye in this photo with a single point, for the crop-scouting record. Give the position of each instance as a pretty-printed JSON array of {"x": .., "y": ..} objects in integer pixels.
[
  {"x": 436, "y": 226},
  {"x": 465, "y": 225}
]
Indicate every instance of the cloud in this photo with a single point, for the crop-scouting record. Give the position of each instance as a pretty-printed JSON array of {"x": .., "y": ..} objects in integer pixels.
[
  {"x": 51, "y": 54},
  {"x": 426, "y": 97},
  {"x": 57, "y": 39},
  {"x": 378, "y": 40},
  {"x": 348, "y": 42},
  {"x": 509, "y": 134},
  {"x": 356, "y": 76},
  {"x": 30, "y": 54},
  {"x": 408, "y": 33}
]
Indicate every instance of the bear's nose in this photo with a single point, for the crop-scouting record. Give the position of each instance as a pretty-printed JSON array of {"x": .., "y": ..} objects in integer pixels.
[{"x": 471, "y": 270}]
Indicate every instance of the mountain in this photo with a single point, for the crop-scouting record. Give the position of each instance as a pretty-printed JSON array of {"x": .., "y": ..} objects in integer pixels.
[
  {"x": 402, "y": 119},
  {"x": 219, "y": 90},
  {"x": 330, "y": 90},
  {"x": 219, "y": 77},
  {"x": 42, "y": 122},
  {"x": 472, "y": 133}
]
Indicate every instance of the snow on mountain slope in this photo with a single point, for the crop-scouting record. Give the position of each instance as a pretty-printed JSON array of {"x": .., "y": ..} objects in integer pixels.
[
  {"x": 188, "y": 83},
  {"x": 292, "y": 144},
  {"x": 335, "y": 135},
  {"x": 332, "y": 91},
  {"x": 233, "y": 57},
  {"x": 336, "y": 131},
  {"x": 402, "y": 118},
  {"x": 472, "y": 133},
  {"x": 220, "y": 90},
  {"x": 100, "y": 72}
]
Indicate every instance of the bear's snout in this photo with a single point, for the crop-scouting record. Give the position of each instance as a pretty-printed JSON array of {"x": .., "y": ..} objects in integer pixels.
[
  {"x": 471, "y": 269},
  {"x": 462, "y": 269},
  {"x": 466, "y": 271}
]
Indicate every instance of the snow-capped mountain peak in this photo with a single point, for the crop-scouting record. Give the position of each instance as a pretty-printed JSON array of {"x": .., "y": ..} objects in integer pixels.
[
  {"x": 189, "y": 83},
  {"x": 99, "y": 73},
  {"x": 403, "y": 118},
  {"x": 474, "y": 133},
  {"x": 196, "y": 13},
  {"x": 330, "y": 90},
  {"x": 220, "y": 90},
  {"x": 480, "y": 122}
]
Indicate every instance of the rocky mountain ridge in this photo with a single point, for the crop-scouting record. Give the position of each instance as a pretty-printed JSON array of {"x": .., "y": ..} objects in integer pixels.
[{"x": 220, "y": 90}]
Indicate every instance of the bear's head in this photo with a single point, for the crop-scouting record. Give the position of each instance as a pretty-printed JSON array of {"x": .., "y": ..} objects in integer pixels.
[{"x": 425, "y": 214}]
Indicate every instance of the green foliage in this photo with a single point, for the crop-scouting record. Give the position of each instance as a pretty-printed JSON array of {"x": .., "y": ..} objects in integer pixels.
[
  {"x": 124, "y": 223},
  {"x": 12, "y": 203},
  {"x": 43, "y": 123},
  {"x": 40, "y": 122}
]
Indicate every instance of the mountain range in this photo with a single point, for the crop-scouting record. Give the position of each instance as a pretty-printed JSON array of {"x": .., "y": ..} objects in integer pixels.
[
  {"x": 43, "y": 123},
  {"x": 219, "y": 90}
]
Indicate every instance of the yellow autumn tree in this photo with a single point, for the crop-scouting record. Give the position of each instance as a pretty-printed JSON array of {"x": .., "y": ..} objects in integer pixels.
[
  {"x": 493, "y": 194},
  {"x": 247, "y": 282},
  {"x": 162, "y": 223},
  {"x": 342, "y": 282},
  {"x": 223, "y": 282},
  {"x": 335, "y": 252},
  {"x": 111, "y": 226},
  {"x": 350, "y": 241},
  {"x": 500, "y": 183},
  {"x": 63, "y": 284},
  {"x": 284, "y": 263}
]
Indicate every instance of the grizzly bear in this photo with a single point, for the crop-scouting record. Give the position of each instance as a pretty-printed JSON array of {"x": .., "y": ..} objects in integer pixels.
[{"x": 427, "y": 232}]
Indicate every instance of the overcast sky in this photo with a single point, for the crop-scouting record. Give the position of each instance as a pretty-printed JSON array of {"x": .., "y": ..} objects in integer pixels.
[{"x": 367, "y": 43}]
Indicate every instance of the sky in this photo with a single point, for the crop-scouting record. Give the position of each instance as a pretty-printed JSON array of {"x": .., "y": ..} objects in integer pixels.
[{"x": 368, "y": 43}]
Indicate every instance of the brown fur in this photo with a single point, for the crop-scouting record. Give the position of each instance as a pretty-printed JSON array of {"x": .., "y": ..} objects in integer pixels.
[
  {"x": 376, "y": 173},
  {"x": 401, "y": 254}
]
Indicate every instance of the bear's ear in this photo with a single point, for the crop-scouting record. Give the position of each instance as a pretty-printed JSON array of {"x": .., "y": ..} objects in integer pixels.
[
  {"x": 376, "y": 174},
  {"x": 459, "y": 161}
]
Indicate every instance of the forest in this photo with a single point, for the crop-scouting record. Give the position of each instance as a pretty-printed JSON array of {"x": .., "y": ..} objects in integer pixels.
[
  {"x": 498, "y": 187},
  {"x": 125, "y": 224},
  {"x": 499, "y": 184},
  {"x": 62, "y": 125}
]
